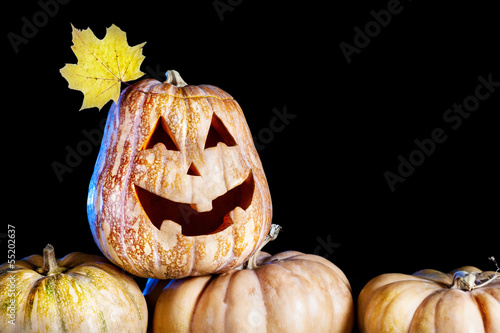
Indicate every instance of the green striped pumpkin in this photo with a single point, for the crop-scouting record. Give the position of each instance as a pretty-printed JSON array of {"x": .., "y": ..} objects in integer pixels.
[{"x": 78, "y": 293}]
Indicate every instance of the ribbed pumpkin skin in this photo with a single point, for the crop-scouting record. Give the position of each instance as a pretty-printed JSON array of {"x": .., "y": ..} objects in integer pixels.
[
  {"x": 121, "y": 227},
  {"x": 289, "y": 292},
  {"x": 423, "y": 302},
  {"x": 91, "y": 296}
]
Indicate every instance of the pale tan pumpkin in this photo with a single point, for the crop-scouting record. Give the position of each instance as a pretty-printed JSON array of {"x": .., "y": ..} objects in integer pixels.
[
  {"x": 178, "y": 188},
  {"x": 287, "y": 292},
  {"x": 78, "y": 293},
  {"x": 462, "y": 301}
]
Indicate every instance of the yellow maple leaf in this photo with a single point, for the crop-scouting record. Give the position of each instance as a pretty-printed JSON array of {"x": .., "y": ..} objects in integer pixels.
[{"x": 103, "y": 64}]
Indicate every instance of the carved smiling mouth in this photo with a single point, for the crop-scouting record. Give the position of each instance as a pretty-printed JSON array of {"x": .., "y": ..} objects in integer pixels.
[{"x": 194, "y": 223}]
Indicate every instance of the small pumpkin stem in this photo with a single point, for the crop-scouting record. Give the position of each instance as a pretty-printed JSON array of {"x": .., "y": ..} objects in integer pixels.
[
  {"x": 464, "y": 280},
  {"x": 273, "y": 233},
  {"x": 472, "y": 280},
  {"x": 50, "y": 266},
  {"x": 173, "y": 77}
]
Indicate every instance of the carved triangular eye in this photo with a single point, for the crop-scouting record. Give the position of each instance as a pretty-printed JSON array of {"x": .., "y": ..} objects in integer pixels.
[
  {"x": 218, "y": 133},
  {"x": 161, "y": 133}
]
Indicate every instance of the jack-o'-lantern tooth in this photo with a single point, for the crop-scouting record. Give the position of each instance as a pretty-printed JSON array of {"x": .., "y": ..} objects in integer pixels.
[
  {"x": 175, "y": 163},
  {"x": 202, "y": 207}
]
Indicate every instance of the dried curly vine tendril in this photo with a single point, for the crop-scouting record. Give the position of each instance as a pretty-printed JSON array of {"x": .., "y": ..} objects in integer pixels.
[{"x": 273, "y": 233}]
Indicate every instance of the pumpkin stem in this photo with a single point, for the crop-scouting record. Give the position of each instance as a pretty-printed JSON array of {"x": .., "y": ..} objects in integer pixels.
[
  {"x": 273, "y": 233},
  {"x": 472, "y": 280},
  {"x": 50, "y": 266},
  {"x": 173, "y": 77}
]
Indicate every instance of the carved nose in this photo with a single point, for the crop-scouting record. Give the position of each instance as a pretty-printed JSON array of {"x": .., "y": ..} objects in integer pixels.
[{"x": 193, "y": 170}]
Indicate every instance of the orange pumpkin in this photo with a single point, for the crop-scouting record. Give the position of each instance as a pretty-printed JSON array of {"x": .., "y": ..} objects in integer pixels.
[
  {"x": 78, "y": 293},
  {"x": 464, "y": 300},
  {"x": 178, "y": 188},
  {"x": 286, "y": 292}
]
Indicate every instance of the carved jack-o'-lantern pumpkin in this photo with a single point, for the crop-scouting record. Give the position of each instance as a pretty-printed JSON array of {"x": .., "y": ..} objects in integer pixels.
[{"x": 178, "y": 188}]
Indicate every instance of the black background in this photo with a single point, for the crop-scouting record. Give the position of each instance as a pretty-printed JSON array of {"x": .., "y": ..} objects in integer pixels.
[{"x": 326, "y": 167}]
